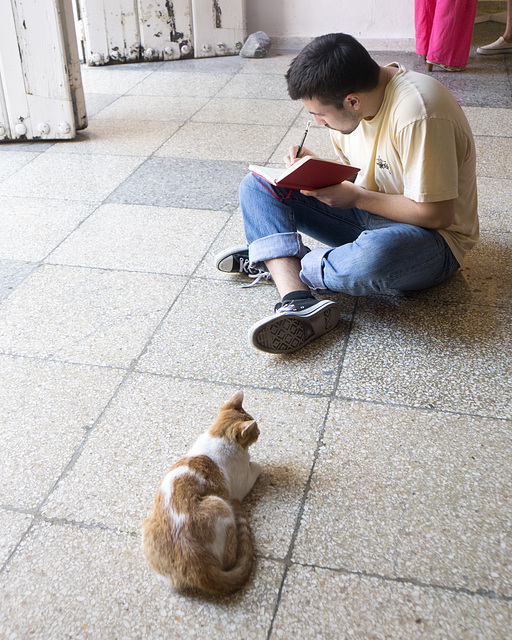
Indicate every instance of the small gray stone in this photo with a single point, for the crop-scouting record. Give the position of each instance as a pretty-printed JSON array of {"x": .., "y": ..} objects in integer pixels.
[{"x": 257, "y": 45}]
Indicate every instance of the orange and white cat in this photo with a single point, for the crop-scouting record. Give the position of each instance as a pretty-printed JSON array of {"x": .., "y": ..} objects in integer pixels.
[{"x": 197, "y": 534}]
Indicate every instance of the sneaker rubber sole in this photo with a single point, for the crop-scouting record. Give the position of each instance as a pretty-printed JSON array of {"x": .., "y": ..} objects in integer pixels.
[{"x": 288, "y": 331}]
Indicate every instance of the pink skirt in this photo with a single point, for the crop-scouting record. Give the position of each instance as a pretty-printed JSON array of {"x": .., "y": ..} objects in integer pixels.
[{"x": 444, "y": 29}]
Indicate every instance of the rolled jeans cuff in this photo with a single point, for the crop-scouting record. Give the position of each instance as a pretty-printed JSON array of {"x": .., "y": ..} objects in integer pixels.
[
  {"x": 312, "y": 268},
  {"x": 277, "y": 245}
]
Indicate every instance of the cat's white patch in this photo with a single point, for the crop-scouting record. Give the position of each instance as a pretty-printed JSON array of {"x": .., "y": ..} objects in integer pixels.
[
  {"x": 167, "y": 482},
  {"x": 178, "y": 519},
  {"x": 206, "y": 445},
  {"x": 231, "y": 459}
]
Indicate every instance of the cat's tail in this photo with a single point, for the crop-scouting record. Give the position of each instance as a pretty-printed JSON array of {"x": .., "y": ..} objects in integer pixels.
[{"x": 224, "y": 582}]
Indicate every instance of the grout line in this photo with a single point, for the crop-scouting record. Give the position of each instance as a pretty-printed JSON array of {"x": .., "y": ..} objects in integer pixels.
[
  {"x": 301, "y": 394},
  {"x": 483, "y": 593},
  {"x": 55, "y": 521},
  {"x": 298, "y": 520}
]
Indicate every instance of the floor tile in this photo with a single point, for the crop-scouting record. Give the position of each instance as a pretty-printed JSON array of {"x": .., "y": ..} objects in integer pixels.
[
  {"x": 96, "y": 102},
  {"x": 472, "y": 91},
  {"x": 180, "y": 182},
  {"x": 494, "y": 157},
  {"x": 232, "y": 235},
  {"x": 12, "y": 273},
  {"x": 248, "y": 111},
  {"x": 154, "y": 421},
  {"x": 487, "y": 121},
  {"x": 13, "y": 161},
  {"x": 447, "y": 356},
  {"x": 31, "y": 146},
  {"x": 317, "y": 603},
  {"x": 232, "y": 142},
  {"x": 256, "y": 85},
  {"x": 198, "y": 324},
  {"x": 394, "y": 486},
  {"x": 176, "y": 84},
  {"x": 495, "y": 204},
  {"x": 118, "y": 138},
  {"x": 142, "y": 238},
  {"x": 153, "y": 108},
  {"x": 12, "y": 526},
  {"x": 45, "y": 409},
  {"x": 85, "y": 315},
  {"x": 111, "y": 81},
  {"x": 318, "y": 141},
  {"x": 78, "y": 581},
  {"x": 32, "y": 227},
  {"x": 70, "y": 177}
]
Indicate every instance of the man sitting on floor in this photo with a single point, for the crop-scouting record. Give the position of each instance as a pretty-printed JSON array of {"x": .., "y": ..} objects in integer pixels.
[{"x": 406, "y": 221}]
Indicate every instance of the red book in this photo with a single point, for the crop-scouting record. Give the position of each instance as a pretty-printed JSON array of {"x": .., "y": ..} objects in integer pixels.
[{"x": 308, "y": 173}]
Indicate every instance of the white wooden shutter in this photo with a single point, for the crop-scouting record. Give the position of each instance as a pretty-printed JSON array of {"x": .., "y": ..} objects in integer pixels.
[
  {"x": 111, "y": 31},
  {"x": 132, "y": 30},
  {"x": 219, "y": 27},
  {"x": 41, "y": 93}
]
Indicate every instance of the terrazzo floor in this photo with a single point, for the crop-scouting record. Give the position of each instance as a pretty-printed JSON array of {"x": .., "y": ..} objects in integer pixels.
[{"x": 385, "y": 506}]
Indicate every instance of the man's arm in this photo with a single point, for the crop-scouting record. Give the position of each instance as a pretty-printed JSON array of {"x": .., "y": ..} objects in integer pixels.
[{"x": 429, "y": 215}]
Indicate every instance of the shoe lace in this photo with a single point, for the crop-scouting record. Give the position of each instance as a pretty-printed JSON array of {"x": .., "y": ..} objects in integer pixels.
[
  {"x": 261, "y": 275},
  {"x": 252, "y": 272},
  {"x": 244, "y": 266},
  {"x": 286, "y": 306}
]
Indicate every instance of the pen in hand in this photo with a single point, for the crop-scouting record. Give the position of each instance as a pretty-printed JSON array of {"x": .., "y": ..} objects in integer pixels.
[{"x": 303, "y": 139}]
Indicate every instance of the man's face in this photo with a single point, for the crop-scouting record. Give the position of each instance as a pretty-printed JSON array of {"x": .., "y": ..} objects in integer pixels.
[{"x": 344, "y": 120}]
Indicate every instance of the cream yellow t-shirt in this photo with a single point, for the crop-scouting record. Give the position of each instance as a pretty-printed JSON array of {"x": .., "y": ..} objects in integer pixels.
[{"x": 419, "y": 144}]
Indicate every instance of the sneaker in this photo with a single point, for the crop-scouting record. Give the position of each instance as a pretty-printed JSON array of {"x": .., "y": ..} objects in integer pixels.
[
  {"x": 493, "y": 49},
  {"x": 294, "y": 324},
  {"x": 236, "y": 260}
]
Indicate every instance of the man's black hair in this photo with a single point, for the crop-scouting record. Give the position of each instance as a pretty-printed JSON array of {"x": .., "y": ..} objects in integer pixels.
[{"x": 331, "y": 67}]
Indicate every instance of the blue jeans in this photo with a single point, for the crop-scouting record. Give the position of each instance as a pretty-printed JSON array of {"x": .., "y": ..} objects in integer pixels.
[{"x": 365, "y": 253}]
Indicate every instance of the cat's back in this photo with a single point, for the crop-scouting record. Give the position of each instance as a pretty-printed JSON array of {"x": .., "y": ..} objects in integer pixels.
[{"x": 184, "y": 488}]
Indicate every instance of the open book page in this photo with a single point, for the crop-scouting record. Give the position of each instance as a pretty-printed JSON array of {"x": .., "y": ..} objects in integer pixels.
[{"x": 270, "y": 173}]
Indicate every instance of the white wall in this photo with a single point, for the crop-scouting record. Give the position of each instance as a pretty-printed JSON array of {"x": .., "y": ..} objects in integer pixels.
[{"x": 297, "y": 21}]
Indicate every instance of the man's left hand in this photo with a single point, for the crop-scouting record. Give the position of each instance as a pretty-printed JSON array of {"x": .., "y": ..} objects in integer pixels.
[{"x": 340, "y": 196}]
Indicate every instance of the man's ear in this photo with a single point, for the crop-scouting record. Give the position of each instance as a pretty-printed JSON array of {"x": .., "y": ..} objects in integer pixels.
[{"x": 352, "y": 101}]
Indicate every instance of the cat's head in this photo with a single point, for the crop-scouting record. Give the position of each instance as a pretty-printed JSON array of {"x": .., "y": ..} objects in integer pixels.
[{"x": 234, "y": 423}]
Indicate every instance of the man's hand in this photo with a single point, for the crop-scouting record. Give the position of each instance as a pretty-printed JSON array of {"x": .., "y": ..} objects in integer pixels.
[
  {"x": 292, "y": 153},
  {"x": 340, "y": 196}
]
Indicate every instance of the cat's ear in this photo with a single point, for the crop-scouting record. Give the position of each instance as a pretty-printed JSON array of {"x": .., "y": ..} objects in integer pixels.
[
  {"x": 235, "y": 402},
  {"x": 248, "y": 433}
]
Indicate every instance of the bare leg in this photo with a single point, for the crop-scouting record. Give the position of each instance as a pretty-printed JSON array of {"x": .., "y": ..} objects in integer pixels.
[
  {"x": 285, "y": 273},
  {"x": 508, "y": 28}
]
